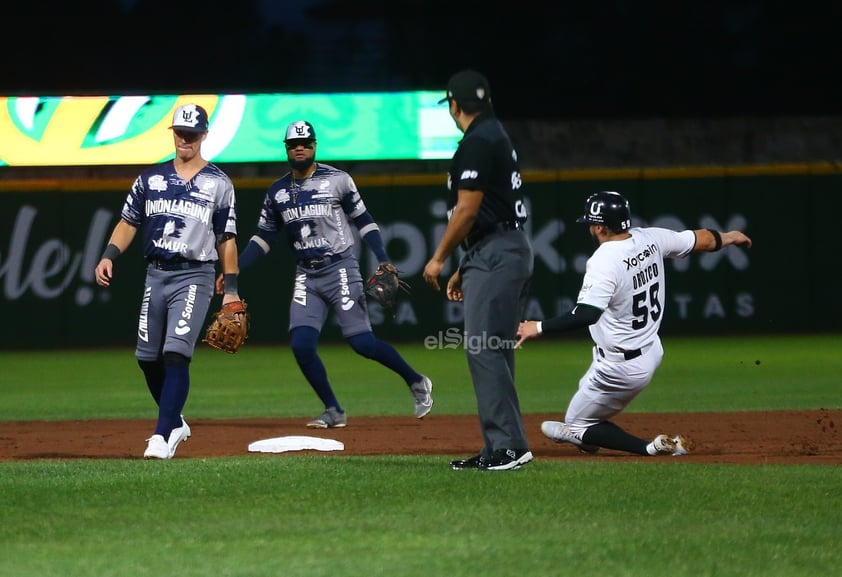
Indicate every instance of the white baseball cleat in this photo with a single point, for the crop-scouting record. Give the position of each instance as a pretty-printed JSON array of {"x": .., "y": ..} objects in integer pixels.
[
  {"x": 177, "y": 435},
  {"x": 560, "y": 433},
  {"x": 157, "y": 448}
]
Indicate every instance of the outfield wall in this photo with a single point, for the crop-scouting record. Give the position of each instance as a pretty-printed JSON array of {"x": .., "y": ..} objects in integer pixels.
[{"x": 53, "y": 232}]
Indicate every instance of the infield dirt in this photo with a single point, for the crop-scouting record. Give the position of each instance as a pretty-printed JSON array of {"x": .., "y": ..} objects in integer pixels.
[{"x": 769, "y": 437}]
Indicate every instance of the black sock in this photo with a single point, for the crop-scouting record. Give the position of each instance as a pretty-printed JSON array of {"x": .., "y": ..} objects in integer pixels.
[{"x": 610, "y": 436}]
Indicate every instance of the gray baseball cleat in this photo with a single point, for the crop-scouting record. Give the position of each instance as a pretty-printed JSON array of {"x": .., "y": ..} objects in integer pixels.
[
  {"x": 422, "y": 394},
  {"x": 330, "y": 419}
]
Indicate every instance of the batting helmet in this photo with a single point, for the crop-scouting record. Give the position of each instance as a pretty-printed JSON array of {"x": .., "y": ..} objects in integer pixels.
[{"x": 608, "y": 208}]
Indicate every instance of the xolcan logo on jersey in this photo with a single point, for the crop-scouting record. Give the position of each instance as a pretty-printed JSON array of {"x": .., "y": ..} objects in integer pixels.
[{"x": 637, "y": 259}]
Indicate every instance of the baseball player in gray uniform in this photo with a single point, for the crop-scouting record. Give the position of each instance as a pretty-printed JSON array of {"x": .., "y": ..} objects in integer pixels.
[
  {"x": 486, "y": 215},
  {"x": 622, "y": 302},
  {"x": 313, "y": 205},
  {"x": 186, "y": 208}
]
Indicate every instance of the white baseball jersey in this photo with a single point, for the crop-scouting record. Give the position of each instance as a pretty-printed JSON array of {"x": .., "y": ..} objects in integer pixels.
[{"x": 627, "y": 281}]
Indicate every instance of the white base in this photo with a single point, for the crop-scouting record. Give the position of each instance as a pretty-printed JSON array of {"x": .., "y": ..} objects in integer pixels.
[{"x": 295, "y": 443}]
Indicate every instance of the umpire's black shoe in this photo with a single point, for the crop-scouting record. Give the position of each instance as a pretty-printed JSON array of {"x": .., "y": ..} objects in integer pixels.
[
  {"x": 506, "y": 459},
  {"x": 474, "y": 462}
]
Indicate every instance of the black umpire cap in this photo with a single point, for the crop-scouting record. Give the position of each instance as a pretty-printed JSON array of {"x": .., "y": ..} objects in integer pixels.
[{"x": 467, "y": 85}]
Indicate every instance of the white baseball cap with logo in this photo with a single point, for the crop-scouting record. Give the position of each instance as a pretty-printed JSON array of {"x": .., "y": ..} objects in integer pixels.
[
  {"x": 190, "y": 118},
  {"x": 300, "y": 130}
]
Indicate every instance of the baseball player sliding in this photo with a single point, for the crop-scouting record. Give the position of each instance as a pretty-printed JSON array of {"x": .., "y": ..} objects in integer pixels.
[{"x": 622, "y": 302}]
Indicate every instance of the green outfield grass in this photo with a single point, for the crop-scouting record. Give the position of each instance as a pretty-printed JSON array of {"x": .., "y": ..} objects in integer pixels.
[
  {"x": 697, "y": 374},
  {"x": 313, "y": 515}
]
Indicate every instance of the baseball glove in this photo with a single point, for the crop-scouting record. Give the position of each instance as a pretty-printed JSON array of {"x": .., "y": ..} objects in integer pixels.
[
  {"x": 229, "y": 328},
  {"x": 384, "y": 284}
]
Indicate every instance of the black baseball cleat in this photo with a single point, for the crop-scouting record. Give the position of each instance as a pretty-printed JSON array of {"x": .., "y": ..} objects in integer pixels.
[
  {"x": 506, "y": 459},
  {"x": 500, "y": 460},
  {"x": 474, "y": 462}
]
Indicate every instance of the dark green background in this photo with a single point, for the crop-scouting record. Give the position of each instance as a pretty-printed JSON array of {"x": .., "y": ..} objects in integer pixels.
[{"x": 788, "y": 279}]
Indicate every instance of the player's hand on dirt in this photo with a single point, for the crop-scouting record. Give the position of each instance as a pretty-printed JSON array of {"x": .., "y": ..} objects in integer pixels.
[
  {"x": 526, "y": 330},
  {"x": 432, "y": 272},
  {"x": 103, "y": 272},
  {"x": 454, "y": 287}
]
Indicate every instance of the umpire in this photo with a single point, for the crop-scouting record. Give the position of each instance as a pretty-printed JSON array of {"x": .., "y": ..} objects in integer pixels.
[{"x": 486, "y": 215}]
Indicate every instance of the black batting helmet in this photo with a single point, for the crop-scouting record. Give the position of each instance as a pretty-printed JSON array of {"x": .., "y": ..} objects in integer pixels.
[{"x": 608, "y": 208}]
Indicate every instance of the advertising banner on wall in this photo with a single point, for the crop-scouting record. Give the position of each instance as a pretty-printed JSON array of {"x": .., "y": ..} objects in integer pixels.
[
  {"x": 50, "y": 242},
  {"x": 128, "y": 130}
]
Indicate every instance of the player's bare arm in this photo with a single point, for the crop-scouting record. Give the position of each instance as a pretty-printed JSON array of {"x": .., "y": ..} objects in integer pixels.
[
  {"x": 461, "y": 221},
  {"x": 708, "y": 240},
  {"x": 120, "y": 240},
  {"x": 226, "y": 282}
]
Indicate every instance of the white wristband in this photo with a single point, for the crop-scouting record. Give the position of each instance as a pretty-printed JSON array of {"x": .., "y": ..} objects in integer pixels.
[{"x": 539, "y": 326}]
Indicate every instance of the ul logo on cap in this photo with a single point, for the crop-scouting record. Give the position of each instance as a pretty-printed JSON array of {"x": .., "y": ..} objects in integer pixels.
[{"x": 304, "y": 130}]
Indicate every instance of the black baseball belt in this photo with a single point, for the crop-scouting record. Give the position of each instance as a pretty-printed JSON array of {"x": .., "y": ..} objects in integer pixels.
[
  {"x": 475, "y": 236},
  {"x": 321, "y": 262},
  {"x": 177, "y": 263},
  {"x": 620, "y": 356}
]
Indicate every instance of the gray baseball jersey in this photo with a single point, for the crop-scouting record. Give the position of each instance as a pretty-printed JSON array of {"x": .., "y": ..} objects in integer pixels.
[
  {"x": 314, "y": 213},
  {"x": 181, "y": 219},
  {"x": 181, "y": 223}
]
